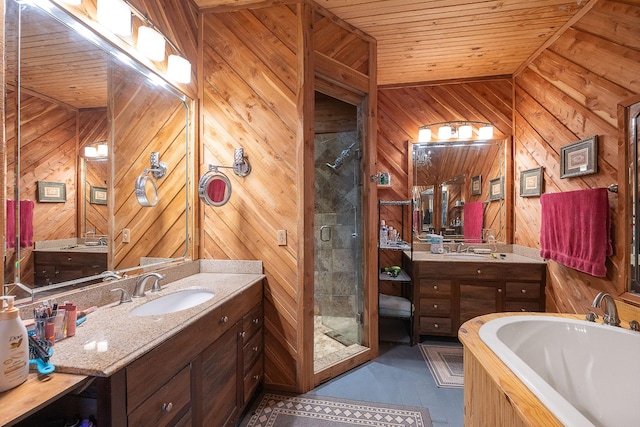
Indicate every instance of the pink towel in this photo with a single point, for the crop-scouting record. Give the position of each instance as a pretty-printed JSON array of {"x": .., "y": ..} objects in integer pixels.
[
  {"x": 26, "y": 223},
  {"x": 575, "y": 229},
  {"x": 217, "y": 190},
  {"x": 10, "y": 237},
  {"x": 473, "y": 217}
]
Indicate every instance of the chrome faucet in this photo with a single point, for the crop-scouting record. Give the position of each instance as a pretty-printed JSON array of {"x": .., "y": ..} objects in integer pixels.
[
  {"x": 142, "y": 280},
  {"x": 110, "y": 275},
  {"x": 459, "y": 247},
  {"x": 610, "y": 316}
]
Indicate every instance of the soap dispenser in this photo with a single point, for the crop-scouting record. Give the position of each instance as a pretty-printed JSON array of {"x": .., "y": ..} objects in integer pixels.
[{"x": 14, "y": 346}]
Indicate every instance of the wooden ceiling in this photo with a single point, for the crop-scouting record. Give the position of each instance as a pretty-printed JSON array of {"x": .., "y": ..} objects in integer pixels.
[{"x": 433, "y": 40}]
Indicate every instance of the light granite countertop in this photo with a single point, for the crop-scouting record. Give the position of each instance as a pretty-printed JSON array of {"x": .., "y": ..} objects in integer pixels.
[
  {"x": 111, "y": 337},
  {"x": 484, "y": 258}
]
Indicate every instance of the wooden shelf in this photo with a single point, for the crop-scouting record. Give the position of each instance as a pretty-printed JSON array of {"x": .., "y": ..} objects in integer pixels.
[{"x": 403, "y": 276}]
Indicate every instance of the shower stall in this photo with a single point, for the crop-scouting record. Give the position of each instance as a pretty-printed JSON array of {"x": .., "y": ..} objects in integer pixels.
[{"x": 338, "y": 242}]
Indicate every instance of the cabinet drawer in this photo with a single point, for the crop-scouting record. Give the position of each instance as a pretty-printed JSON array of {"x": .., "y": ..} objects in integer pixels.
[
  {"x": 252, "y": 351},
  {"x": 522, "y": 306},
  {"x": 252, "y": 379},
  {"x": 519, "y": 290},
  {"x": 435, "y": 325},
  {"x": 167, "y": 402},
  {"x": 435, "y": 288},
  {"x": 435, "y": 307},
  {"x": 252, "y": 323}
]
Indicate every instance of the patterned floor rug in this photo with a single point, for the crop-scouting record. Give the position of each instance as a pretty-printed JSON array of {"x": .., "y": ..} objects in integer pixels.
[
  {"x": 445, "y": 364},
  {"x": 279, "y": 410}
]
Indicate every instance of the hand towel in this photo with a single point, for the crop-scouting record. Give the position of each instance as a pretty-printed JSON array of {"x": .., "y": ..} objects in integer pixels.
[
  {"x": 575, "y": 229},
  {"x": 10, "y": 237},
  {"x": 473, "y": 216},
  {"x": 26, "y": 223}
]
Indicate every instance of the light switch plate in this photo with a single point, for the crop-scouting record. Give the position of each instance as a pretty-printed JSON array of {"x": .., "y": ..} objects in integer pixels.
[
  {"x": 282, "y": 237},
  {"x": 126, "y": 235}
]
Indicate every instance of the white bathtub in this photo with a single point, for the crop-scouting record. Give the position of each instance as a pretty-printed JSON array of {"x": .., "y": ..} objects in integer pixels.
[{"x": 585, "y": 373}]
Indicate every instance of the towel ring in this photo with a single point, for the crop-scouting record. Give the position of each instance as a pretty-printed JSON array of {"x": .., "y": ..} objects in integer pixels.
[
  {"x": 146, "y": 189},
  {"x": 214, "y": 188}
]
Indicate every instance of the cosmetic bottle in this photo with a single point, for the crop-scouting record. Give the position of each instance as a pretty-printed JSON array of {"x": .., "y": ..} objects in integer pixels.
[{"x": 14, "y": 346}]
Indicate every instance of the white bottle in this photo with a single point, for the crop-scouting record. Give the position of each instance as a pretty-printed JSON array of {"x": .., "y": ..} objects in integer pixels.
[
  {"x": 384, "y": 233},
  {"x": 14, "y": 346}
]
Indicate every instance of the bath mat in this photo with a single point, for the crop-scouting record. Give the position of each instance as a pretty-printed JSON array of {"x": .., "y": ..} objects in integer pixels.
[
  {"x": 280, "y": 410},
  {"x": 445, "y": 364}
]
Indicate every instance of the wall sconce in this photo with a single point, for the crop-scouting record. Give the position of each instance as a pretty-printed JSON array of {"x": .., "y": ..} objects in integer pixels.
[
  {"x": 458, "y": 130},
  {"x": 179, "y": 69}
]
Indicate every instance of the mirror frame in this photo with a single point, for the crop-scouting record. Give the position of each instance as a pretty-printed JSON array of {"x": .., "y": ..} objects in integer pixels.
[{"x": 86, "y": 28}]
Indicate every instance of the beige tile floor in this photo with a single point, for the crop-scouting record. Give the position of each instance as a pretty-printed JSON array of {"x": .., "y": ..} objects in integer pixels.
[{"x": 328, "y": 351}]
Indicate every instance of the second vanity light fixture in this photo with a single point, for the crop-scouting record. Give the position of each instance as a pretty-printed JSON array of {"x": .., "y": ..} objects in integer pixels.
[
  {"x": 459, "y": 130},
  {"x": 116, "y": 16}
]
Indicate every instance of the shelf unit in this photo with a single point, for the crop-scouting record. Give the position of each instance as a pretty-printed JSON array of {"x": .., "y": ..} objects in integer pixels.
[{"x": 397, "y": 306}]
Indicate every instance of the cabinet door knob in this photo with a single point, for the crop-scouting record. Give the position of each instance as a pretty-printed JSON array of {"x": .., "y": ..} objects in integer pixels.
[
  {"x": 435, "y": 286},
  {"x": 224, "y": 319},
  {"x": 69, "y": 259},
  {"x": 255, "y": 348},
  {"x": 256, "y": 377},
  {"x": 166, "y": 407},
  {"x": 435, "y": 305},
  {"x": 242, "y": 334},
  {"x": 256, "y": 320},
  {"x": 435, "y": 325},
  {"x": 499, "y": 291},
  {"x": 524, "y": 291},
  {"x": 479, "y": 271},
  {"x": 523, "y": 310}
]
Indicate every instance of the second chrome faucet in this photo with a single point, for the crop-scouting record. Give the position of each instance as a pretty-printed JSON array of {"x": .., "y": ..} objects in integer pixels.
[{"x": 141, "y": 282}]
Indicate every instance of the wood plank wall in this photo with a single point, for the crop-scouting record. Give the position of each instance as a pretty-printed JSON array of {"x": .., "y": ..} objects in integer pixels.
[
  {"x": 568, "y": 93},
  {"x": 252, "y": 95},
  {"x": 401, "y": 110},
  {"x": 48, "y": 153}
]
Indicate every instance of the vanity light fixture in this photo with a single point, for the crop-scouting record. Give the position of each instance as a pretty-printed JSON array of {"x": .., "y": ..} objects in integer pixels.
[
  {"x": 103, "y": 150},
  {"x": 179, "y": 69},
  {"x": 98, "y": 150},
  {"x": 456, "y": 130},
  {"x": 90, "y": 152}
]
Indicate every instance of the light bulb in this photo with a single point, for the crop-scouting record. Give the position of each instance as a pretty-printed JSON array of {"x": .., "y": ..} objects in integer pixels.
[
  {"x": 103, "y": 150},
  {"x": 465, "y": 132},
  {"x": 424, "y": 135},
  {"x": 179, "y": 69},
  {"x": 444, "y": 132},
  {"x": 485, "y": 132},
  {"x": 151, "y": 43},
  {"x": 90, "y": 152},
  {"x": 115, "y": 15}
]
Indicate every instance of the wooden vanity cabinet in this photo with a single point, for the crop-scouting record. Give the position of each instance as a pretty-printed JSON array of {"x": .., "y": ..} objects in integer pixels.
[
  {"x": 203, "y": 376},
  {"x": 449, "y": 293},
  {"x": 59, "y": 266}
]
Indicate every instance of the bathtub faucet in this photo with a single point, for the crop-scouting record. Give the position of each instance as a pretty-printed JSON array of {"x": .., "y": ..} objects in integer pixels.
[{"x": 610, "y": 316}]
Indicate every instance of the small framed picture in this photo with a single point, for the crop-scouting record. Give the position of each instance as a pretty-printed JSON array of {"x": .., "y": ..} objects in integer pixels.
[
  {"x": 579, "y": 158},
  {"x": 52, "y": 192},
  {"x": 496, "y": 190},
  {"x": 98, "y": 195},
  {"x": 476, "y": 185},
  {"x": 531, "y": 182}
]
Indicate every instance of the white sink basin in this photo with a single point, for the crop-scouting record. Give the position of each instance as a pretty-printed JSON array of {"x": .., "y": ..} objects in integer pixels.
[{"x": 171, "y": 303}]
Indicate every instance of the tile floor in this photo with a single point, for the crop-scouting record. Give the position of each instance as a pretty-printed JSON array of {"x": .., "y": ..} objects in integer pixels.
[{"x": 399, "y": 376}]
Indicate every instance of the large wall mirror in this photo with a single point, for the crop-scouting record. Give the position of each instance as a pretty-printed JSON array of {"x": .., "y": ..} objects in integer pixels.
[
  {"x": 83, "y": 122},
  {"x": 458, "y": 190}
]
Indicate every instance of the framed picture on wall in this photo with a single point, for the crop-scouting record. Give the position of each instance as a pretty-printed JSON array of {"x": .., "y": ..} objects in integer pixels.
[
  {"x": 531, "y": 182},
  {"x": 52, "y": 192},
  {"x": 476, "y": 185},
  {"x": 579, "y": 158},
  {"x": 496, "y": 190},
  {"x": 98, "y": 195}
]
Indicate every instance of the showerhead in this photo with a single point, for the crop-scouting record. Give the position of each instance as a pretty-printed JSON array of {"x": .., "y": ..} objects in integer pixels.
[
  {"x": 334, "y": 168},
  {"x": 340, "y": 160}
]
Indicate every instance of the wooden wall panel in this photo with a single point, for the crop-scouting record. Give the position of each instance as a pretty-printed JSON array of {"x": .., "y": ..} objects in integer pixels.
[
  {"x": 92, "y": 128},
  {"x": 402, "y": 110},
  {"x": 568, "y": 93},
  {"x": 249, "y": 100},
  {"x": 48, "y": 153}
]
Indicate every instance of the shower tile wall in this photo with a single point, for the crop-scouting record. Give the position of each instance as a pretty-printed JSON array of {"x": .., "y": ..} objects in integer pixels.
[{"x": 335, "y": 272}]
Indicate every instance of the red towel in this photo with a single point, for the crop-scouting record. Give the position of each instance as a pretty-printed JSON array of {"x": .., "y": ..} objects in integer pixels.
[
  {"x": 217, "y": 190},
  {"x": 26, "y": 223},
  {"x": 575, "y": 229},
  {"x": 473, "y": 216},
  {"x": 10, "y": 237}
]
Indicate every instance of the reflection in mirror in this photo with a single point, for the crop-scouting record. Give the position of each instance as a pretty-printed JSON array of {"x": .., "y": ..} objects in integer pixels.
[
  {"x": 442, "y": 178},
  {"x": 85, "y": 97},
  {"x": 214, "y": 188},
  {"x": 632, "y": 116}
]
